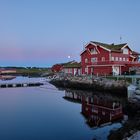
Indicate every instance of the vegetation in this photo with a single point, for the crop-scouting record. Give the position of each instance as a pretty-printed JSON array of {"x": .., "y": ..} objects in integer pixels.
[
  {"x": 127, "y": 79},
  {"x": 31, "y": 71}
]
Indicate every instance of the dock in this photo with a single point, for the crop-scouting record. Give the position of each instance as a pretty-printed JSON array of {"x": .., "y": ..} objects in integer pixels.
[{"x": 13, "y": 85}]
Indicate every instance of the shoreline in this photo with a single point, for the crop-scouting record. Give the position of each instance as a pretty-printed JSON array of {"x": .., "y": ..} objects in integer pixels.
[{"x": 118, "y": 88}]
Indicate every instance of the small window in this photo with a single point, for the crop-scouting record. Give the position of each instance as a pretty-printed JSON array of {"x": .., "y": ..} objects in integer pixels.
[
  {"x": 103, "y": 58},
  {"x": 93, "y": 51},
  {"x": 103, "y": 112},
  {"x": 87, "y": 100},
  {"x": 91, "y": 100},
  {"x": 112, "y": 58},
  {"x": 123, "y": 59},
  {"x": 86, "y": 70},
  {"x": 86, "y": 60},
  {"x": 125, "y": 51},
  {"x": 70, "y": 70},
  {"x": 120, "y": 59},
  {"x": 116, "y": 58},
  {"x": 94, "y": 59},
  {"x": 127, "y": 59},
  {"x": 86, "y": 108}
]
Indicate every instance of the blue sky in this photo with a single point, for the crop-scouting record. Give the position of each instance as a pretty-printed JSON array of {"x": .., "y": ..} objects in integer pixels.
[{"x": 45, "y": 32}]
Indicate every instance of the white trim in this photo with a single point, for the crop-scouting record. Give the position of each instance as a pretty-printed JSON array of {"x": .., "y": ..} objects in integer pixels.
[
  {"x": 132, "y": 56},
  {"x": 93, "y": 45},
  {"x": 101, "y": 47},
  {"x": 103, "y": 65},
  {"x": 125, "y": 46},
  {"x": 110, "y": 56},
  {"x": 97, "y": 49},
  {"x": 82, "y": 51}
]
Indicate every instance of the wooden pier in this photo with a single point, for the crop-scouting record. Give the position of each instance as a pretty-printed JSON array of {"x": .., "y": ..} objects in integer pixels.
[{"x": 13, "y": 85}]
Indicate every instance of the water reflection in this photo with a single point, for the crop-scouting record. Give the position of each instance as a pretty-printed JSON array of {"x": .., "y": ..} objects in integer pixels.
[
  {"x": 41, "y": 113},
  {"x": 7, "y": 77},
  {"x": 98, "y": 109}
]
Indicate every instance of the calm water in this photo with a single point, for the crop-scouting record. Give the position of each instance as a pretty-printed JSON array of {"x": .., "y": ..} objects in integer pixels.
[{"x": 42, "y": 113}]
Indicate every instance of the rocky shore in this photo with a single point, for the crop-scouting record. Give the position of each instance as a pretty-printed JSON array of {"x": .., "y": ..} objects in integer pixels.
[
  {"x": 95, "y": 84},
  {"x": 131, "y": 126}
]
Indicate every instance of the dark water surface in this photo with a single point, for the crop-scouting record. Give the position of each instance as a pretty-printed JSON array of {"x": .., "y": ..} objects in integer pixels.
[{"x": 42, "y": 113}]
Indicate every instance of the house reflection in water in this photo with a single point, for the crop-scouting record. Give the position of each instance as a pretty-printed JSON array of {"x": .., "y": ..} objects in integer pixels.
[
  {"x": 97, "y": 109},
  {"x": 72, "y": 96}
]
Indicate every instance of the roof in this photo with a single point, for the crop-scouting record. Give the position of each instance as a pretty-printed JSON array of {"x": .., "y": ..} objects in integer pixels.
[
  {"x": 135, "y": 53},
  {"x": 111, "y": 47},
  {"x": 72, "y": 64}
]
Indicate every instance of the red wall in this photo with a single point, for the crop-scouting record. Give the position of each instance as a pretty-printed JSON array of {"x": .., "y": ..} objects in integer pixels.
[
  {"x": 56, "y": 68},
  {"x": 104, "y": 70},
  {"x": 86, "y": 54}
]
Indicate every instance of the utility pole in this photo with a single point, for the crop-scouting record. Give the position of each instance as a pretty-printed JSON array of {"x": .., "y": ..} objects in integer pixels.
[{"x": 120, "y": 39}]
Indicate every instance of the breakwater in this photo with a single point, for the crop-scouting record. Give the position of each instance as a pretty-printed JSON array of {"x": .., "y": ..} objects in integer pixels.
[
  {"x": 13, "y": 85},
  {"x": 102, "y": 85}
]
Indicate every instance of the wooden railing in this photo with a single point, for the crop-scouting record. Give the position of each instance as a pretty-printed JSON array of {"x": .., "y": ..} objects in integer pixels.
[{"x": 115, "y": 62}]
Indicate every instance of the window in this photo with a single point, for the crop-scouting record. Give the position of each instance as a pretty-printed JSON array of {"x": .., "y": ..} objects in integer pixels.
[
  {"x": 86, "y": 70},
  {"x": 120, "y": 59},
  {"x": 103, "y": 58},
  {"x": 123, "y": 59},
  {"x": 91, "y": 100},
  {"x": 127, "y": 59},
  {"x": 93, "y": 51},
  {"x": 87, "y": 100},
  {"x": 112, "y": 58},
  {"x": 86, "y": 60},
  {"x": 86, "y": 108},
  {"x": 70, "y": 70},
  {"x": 125, "y": 51},
  {"x": 103, "y": 112},
  {"x": 116, "y": 58},
  {"x": 66, "y": 70},
  {"x": 94, "y": 59}
]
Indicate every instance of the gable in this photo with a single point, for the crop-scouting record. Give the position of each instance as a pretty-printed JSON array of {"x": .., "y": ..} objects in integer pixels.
[
  {"x": 93, "y": 49},
  {"x": 126, "y": 49}
]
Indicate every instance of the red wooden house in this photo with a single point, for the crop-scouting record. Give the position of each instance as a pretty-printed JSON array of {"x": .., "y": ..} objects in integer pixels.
[
  {"x": 7, "y": 71},
  {"x": 71, "y": 68},
  {"x": 105, "y": 59}
]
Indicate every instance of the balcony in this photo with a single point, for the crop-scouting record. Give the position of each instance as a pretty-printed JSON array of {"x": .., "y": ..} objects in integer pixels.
[{"x": 116, "y": 63}]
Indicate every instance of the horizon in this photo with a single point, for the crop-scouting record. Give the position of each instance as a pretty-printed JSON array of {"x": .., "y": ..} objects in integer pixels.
[{"x": 40, "y": 33}]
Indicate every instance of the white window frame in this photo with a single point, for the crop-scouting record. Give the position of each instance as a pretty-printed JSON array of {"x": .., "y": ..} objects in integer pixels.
[
  {"x": 86, "y": 60},
  {"x": 125, "y": 51},
  {"x": 94, "y": 59},
  {"x": 86, "y": 70},
  {"x": 93, "y": 51},
  {"x": 112, "y": 58}
]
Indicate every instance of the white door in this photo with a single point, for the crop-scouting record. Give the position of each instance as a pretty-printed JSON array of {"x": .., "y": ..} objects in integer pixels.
[
  {"x": 115, "y": 70},
  {"x": 75, "y": 71}
]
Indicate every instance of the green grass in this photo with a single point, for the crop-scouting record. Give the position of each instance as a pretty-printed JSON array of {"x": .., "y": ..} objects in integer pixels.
[
  {"x": 129, "y": 80},
  {"x": 32, "y": 71}
]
